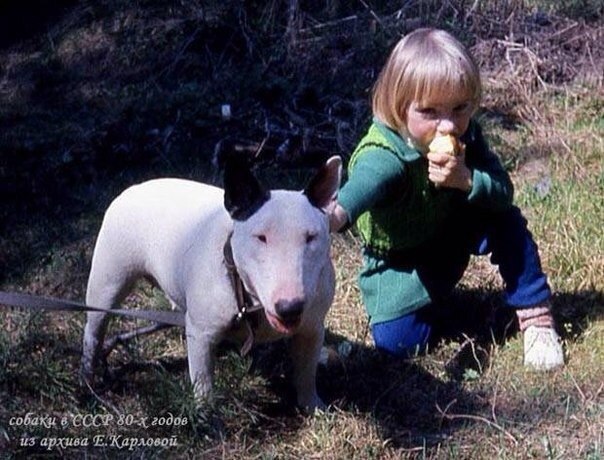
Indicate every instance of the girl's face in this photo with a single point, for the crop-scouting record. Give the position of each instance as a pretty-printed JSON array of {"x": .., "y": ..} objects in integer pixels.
[{"x": 426, "y": 119}]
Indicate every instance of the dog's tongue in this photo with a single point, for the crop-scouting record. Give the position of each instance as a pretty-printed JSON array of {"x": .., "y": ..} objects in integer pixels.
[{"x": 279, "y": 325}]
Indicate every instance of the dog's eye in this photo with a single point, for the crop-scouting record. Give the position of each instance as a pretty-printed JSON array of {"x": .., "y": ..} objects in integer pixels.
[
  {"x": 310, "y": 237},
  {"x": 261, "y": 238}
]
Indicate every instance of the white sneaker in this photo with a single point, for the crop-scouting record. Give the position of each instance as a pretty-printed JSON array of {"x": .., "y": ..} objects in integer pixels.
[{"x": 542, "y": 348}]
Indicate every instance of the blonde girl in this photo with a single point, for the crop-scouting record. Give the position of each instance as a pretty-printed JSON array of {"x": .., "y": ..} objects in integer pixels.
[{"x": 421, "y": 214}]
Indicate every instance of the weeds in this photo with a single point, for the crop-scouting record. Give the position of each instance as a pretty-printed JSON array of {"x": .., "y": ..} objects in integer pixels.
[{"x": 112, "y": 94}]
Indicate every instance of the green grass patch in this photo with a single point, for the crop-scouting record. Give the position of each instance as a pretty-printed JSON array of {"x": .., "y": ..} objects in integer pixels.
[{"x": 157, "y": 113}]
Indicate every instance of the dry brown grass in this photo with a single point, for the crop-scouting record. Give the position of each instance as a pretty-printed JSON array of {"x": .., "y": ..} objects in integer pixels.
[{"x": 112, "y": 94}]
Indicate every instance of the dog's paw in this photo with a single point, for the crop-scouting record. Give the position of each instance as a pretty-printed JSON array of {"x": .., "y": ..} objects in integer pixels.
[
  {"x": 311, "y": 404},
  {"x": 208, "y": 421}
]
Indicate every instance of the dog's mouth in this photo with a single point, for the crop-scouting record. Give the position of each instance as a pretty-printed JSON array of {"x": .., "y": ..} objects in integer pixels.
[{"x": 282, "y": 325}]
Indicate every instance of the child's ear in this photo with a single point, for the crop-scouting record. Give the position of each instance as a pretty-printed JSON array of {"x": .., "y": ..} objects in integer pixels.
[{"x": 322, "y": 189}]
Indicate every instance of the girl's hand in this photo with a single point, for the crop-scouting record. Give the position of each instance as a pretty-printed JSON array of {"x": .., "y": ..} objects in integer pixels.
[
  {"x": 450, "y": 171},
  {"x": 337, "y": 216}
]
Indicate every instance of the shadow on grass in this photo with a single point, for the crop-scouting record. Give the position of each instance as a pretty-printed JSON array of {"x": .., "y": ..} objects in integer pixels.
[
  {"x": 575, "y": 310},
  {"x": 406, "y": 397},
  {"x": 255, "y": 396},
  {"x": 400, "y": 395}
]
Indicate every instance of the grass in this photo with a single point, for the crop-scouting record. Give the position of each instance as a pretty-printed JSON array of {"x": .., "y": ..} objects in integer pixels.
[{"x": 469, "y": 398}]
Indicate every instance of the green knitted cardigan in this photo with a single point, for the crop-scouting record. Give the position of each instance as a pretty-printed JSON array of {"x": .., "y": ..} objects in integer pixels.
[{"x": 414, "y": 208}]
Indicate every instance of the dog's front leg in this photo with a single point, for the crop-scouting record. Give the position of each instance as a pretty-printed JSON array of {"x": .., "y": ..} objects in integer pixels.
[
  {"x": 305, "y": 350},
  {"x": 200, "y": 351}
]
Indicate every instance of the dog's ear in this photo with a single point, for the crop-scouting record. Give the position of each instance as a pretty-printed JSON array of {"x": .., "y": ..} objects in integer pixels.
[
  {"x": 323, "y": 187},
  {"x": 243, "y": 194}
]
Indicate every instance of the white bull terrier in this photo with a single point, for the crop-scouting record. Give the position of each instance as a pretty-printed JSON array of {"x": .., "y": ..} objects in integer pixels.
[{"x": 176, "y": 231}]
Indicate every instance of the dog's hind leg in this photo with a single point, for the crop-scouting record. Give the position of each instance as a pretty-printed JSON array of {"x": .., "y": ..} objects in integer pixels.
[{"x": 107, "y": 287}]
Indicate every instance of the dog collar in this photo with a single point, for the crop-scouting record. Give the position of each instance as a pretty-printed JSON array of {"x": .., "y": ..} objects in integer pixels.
[{"x": 245, "y": 302}]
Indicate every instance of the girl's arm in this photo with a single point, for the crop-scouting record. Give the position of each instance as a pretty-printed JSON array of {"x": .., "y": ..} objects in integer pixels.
[
  {"x": 370, "y": 181},
  {"x": 491, "y": 185}
]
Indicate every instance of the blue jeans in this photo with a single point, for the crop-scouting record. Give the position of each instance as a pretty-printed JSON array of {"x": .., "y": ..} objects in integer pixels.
[{"x": 505, "y": 235}]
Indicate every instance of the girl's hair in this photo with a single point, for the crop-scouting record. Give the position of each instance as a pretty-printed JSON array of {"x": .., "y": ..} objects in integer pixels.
[{"x": 425, "y": 65}]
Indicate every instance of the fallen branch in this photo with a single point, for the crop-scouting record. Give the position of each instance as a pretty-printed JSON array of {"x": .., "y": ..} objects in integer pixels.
[
  {"x": 112, "y": 342},
  {"x": 476, "y": 418}
]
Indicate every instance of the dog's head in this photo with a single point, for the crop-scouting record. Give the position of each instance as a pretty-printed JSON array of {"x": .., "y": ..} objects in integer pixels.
[{"x": 281, "y": 239}]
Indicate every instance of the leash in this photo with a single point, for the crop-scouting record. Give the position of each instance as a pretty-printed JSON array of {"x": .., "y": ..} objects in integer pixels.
[
  {"x": 245, "y": 304},
  {"x": 20, "y": 300}
]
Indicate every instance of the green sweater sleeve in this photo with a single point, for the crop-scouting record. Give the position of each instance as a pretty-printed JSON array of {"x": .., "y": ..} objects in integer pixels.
[
  {"x": 491, "y": 184},
  {"x": 370, "y": 180}
]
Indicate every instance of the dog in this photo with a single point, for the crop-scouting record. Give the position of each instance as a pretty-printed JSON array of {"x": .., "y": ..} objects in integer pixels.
[{"x": 195, "y": 241}]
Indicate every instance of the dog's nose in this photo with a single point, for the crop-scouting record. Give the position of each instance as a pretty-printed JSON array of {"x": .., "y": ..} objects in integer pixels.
[{"x": 289, "y": 310}]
